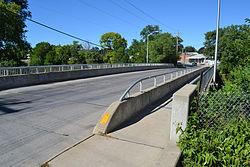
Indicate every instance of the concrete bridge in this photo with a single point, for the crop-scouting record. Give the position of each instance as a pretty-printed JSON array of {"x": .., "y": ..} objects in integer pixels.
[{"x": 37, "y": 122}]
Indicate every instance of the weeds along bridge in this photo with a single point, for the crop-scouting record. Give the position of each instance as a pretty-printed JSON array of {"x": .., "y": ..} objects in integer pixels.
[{"x": 37, "y": 122}]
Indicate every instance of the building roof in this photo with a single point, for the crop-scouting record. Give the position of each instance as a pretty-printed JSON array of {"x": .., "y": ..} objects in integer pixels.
[{"x": 199, "y": 56}]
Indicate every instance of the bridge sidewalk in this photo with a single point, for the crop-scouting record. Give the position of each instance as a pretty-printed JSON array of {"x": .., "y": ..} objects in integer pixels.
[{"x": 142, "y": 142}]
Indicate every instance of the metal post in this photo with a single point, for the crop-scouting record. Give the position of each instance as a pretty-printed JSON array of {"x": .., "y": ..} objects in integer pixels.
[
  {"x": 147, "y": 49},
  {"x": 154, "y": 81},
  {"x": 217, "y": 39},
  {"x": 164, "y": 78},
  {"x": 141, "y": 86}
]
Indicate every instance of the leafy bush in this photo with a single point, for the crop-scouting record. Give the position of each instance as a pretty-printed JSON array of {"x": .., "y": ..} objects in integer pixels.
[{"x": 225, "y": 144}]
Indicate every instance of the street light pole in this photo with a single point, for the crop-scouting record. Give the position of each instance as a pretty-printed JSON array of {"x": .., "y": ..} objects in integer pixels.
[
  {"x": 147, "y": 58},
  {"x": 217, "y": 39},
  {"x": 147, "y": 48}
]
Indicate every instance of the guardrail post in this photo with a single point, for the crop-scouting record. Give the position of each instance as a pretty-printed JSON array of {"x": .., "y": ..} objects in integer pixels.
[
  {"x": 177, "y": 73},
  {"x": 164, "y": 78},
  {"x": 141, "y": 86},
  {"x": 20, "y": 71},
  {"x": 37, "y": 70},
  {"x": 171, "y": 76},
  {"x": 154, "y": 81}
]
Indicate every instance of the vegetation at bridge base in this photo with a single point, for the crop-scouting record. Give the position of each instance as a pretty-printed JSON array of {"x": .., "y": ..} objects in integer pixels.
[
  {"x": 228, "y": 145},
  {"x": 217, "y": 136}
]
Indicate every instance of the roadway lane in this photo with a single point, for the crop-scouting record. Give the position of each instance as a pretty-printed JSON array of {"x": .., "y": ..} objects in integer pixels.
[{"x": 37, "y": 122}]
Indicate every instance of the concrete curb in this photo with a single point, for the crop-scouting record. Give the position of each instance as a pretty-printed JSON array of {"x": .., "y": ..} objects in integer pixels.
[{"x": 46, "y": 164}]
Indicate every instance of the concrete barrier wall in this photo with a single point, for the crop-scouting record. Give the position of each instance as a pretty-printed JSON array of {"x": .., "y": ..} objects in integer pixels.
[
  {"x": 8, "y": 82},
  {"x": 121, "y": 111},
  {"x": 180, "y": 109}
]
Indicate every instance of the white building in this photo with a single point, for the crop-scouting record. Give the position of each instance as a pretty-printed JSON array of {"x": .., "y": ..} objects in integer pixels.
[{"x": 199, "y": 59}]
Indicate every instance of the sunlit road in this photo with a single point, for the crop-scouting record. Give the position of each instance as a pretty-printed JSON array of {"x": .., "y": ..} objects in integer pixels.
[{"x": 37, "y": 122}]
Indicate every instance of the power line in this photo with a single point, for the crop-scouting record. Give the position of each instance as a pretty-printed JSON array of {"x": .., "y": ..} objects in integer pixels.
[
  {"x": 107, "y": 13},
  {"x": 51, "y": 28},
  {"x": 133, "y": 14},
  {"x": 148, "y": 15}
]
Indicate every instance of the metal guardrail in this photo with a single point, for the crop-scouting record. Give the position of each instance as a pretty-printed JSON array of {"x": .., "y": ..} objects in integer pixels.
[
  {"x": 173, "y": 74},
  {"x": 7, "y": 71},
  {"x": 206, "y": 77}
]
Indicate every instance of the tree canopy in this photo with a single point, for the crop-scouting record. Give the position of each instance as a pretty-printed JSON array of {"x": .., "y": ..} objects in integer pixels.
[
  {"x": 162, "y": 46},
  {"x": 163, "y": 49},
  {"x": 116, "y": 48},
  {"x": 46, "y": 54},
  {"x": 13, "y": 44},
  {"x": 149, "y": 29},
  {"x": 233, "y": 46},
  {"x": 190, "y": 49}
]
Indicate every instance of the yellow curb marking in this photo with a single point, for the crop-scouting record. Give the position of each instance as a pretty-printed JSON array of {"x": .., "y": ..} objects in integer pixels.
[{"x": 105, "y": 118}]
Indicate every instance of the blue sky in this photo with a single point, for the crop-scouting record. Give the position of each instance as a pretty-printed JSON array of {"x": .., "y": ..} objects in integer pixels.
[{"x": 89, "y": 19}]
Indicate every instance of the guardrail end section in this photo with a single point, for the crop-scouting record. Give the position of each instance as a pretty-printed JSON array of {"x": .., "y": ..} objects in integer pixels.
[{"x": 104, "y": 121}]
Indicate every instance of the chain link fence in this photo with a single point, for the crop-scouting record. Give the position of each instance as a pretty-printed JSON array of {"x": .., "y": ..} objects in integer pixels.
[{"x": 221, "y": 107}]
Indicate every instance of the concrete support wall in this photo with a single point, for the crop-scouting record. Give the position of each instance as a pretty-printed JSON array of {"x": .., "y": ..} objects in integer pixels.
[
  {"x": 8, "y": 82},
  {"x": 180, "y": 109},
  {"x": 121, "y": 111}
]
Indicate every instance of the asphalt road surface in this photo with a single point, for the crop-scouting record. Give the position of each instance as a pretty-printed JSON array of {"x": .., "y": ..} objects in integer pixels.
[{"x": 37, "y": 122}]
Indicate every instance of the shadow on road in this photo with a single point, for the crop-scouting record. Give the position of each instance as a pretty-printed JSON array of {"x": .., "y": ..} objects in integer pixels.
[{"x": 6, "y": 109}]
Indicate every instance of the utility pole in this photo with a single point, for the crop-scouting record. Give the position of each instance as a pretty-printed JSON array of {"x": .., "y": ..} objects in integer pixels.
[{"x": 177, "y": 41}]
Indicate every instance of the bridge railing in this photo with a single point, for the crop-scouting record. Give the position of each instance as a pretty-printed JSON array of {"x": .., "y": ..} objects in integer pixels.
[
  {"x": 155, "y": 80},
  {"x": 206, "y": 78},
  {"x": 7, "y": 71}
]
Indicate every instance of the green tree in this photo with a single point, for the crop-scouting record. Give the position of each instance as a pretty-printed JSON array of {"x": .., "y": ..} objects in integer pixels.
[
  {"x": 137, "y": 51},
  {"x": 13, "y": 44},
  {"x": 50, "y": 58},
  {"x": 39, "y": 53},
  {"x": 236, "y": 47},
  {"x": 115, "y": 46},
  {"x": 201, "y": 50},
  {"x": 209, "y": 44},
  {"x": 149, "y": 29},
  {"x": 93, "y": 58},
  {"x": 94, "y": 49},
  {"x": 190, "y": 49},
  {"x": 162, "y": 49}
]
